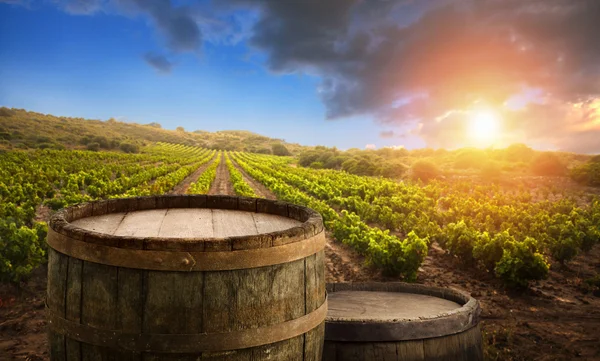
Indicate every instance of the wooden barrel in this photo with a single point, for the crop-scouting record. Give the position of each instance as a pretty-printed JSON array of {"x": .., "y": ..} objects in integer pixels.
[
  {"x": 400, "y": 322},
  {"x": 186, "y": 278}
]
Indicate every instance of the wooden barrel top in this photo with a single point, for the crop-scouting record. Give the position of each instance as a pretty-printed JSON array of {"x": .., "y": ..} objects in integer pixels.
[
  {"x": 385, "y": 306},
  {"x": 396, "y": 311},
  {"x": 186, "y": 223},
  {"x": 187, "y": 233}
]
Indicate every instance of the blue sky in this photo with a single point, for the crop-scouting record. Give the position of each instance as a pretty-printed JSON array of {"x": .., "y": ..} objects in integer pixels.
[
  {"x": 345, "y": 73},
  {"x": 93, "y": 66}
]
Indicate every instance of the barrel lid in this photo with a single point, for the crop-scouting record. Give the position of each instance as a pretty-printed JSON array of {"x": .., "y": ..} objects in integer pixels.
[
  {"x": 395, "y": 311},
  {"x": 188, "y": 222}
]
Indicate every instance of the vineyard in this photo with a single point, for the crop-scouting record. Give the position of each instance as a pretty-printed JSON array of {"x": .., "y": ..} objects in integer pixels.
[
  {"x": 513, "y": 235},
  {"x": 391, "y": 223}
]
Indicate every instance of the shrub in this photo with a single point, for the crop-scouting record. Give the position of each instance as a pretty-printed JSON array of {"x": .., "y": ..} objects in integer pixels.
[
  {"x": 316, "y": 165},
  {"x": 588, "y": 173},
  {"x": 263, "y": 151},
  {"x": 521, "y": 263},
  {"x": 93, "y": 146},
  {"x": 280, "y": 149},
  {"x": 393, "y": 169},
  {"x": 21, "y": 251},
  {"x": 547, "y": 164},
  {"x": 425, "y": 170},
  {"x": 459, "y": 240},
  {"x": 129, "y": 148},
  {"x": 489, "y": 250}
]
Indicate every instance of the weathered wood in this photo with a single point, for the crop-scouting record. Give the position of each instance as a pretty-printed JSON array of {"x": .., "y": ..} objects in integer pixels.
[
  {"x": 73, "y": 305},
  {"x": 385, "y": 306},
  {"x": 98, "y": 305},
  {"x": 411, "y": 350},
  {"x": 232, "y": 223},
  {"x": 141, "y": 224},
  {"x": 181, "y": 223},
  {"x": 186, "y": 223},
  {"x": 266, "y": 223},
  {"x": 315, "y": 296},
  {"x": 112, "y": 312},
  {"x": 57, "y": 283},
  {"x": 105, "y": 224},
  {"x": 165, "y": 293},
  {"x": 397, "y": 321}
]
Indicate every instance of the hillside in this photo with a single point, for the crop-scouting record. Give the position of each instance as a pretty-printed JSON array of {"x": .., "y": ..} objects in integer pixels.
[{"x": 21, "y": 129}]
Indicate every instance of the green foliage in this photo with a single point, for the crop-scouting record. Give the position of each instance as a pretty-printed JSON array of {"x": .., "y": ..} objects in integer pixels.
[
  {"x": 521, "y": 263},
  {"x": 202, "y": 185},
  {"x": 316, "y": 165},
  {"x": 459, "y": 240},
  {"x": 129, "y": 148},
  {"x": 519, "y": 153},
  {"x": 93, "y": 147},
  {"x": 21, "y": 250},
  {"x": 489, "y": 250},
  {"x": 240, "y": 187},
  {"x": 588, "y": 173},
  {"x": 425, "y": 170},
  {"x": 280, "y": 149}
]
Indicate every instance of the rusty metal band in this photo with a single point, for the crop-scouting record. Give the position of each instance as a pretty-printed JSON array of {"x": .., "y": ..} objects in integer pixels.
[
  {"x": 187, "y": 343},
  {"x": 185, "y": 261}
]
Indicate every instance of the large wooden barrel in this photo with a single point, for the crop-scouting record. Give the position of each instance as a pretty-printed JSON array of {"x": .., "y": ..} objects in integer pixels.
[
  {"x": 400, "y": 322},
  {"x": 186, "y": 278}
]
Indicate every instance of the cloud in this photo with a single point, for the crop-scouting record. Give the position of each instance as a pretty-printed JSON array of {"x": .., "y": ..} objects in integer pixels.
[
  {"x": 386, "y": 134},
  {"x": 24, "y": 3},
  {"x": 175, "y": 23},
  {"x": 159, "y": 62},
  {"x": 80, "y": 7},
  {"x": 370, "y": 146},
  {"x": 410, "y": 62},
  {"x": 371, "y": 54}
]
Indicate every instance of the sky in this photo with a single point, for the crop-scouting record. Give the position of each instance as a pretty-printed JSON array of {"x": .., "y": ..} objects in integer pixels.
[{"x": 345, "y": 73}]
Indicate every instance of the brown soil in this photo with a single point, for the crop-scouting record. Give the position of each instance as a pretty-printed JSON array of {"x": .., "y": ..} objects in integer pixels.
[
  {"x": 182, "y": 187},
  {"x": 553, "y": 320},
  {"x": 42, "y": 213},
  {"x": 342, "y": 264},
  {"x": 22, "y": 321},
  {"x": 222, "y": 183}
]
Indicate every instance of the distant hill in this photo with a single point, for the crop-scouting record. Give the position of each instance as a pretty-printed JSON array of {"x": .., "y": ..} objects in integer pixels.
[{"x": 21, "y": 129}]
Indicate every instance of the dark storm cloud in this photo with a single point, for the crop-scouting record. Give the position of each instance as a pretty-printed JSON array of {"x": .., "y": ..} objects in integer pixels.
[
  {"x": 159, "y": 62},
  {"x": 175, "y": 23}
]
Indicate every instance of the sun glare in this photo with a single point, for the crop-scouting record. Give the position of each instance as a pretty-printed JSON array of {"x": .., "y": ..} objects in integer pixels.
[{"x": 484, "y": 126}]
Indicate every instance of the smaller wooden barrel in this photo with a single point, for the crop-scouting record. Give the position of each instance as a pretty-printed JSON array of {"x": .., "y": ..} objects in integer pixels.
[
  {"x": 186, "y": 278},
  {"x": 400, "y": 322}
]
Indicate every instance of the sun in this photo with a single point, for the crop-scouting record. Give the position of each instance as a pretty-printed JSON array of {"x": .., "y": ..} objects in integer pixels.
[{"x": 484, "y": 126}]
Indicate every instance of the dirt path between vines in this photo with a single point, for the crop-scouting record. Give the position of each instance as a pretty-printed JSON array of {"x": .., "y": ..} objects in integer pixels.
[
  {"x": 556, "y": 319},
  {"x": 260, "y": 190},
  {"x": 183, "y": 187},
  {"x": 222, "y": 183},
  {"x": 342, "y": 263}
]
